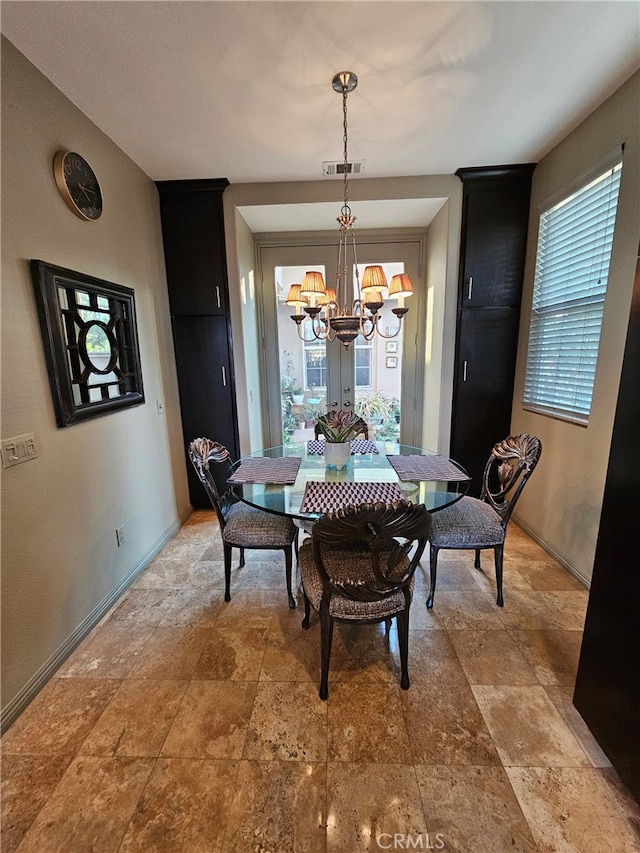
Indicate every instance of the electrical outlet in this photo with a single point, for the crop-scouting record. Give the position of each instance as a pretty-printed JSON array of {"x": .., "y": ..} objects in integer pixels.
[
  {"x": 160, "y": 406},
  {"x": 120, "y": 536},
  {"x": 18, "y": 449}
]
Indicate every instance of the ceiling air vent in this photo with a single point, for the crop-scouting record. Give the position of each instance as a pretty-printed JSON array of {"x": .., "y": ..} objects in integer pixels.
[{"x": 336, "y": 167}]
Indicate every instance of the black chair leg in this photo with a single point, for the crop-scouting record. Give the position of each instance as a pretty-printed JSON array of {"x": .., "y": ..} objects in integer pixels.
[
  {"x": 288, "y": 567},
  {"x": 227, "y": 571},
  {"x": 295, "y": 545},
  {"x": 241, "y": 558},
  {"x": 433, "y": 571},
  {"x": 307, "y": 611},
  {"x": 403, "y": 642},
  {"x": 476, "y": 562},
  {"x": 326, "y": 637},
  {"x": 499, "y": 552}
]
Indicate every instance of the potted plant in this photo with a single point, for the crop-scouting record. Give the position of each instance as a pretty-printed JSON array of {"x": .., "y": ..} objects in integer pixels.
[{"x": 338, "y": 428}]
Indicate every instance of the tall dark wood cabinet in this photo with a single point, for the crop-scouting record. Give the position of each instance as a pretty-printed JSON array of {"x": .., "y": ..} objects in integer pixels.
[
  {"x": 195, "y": 258},
  {"x": 495, "y": 216},
  {"x": 607, "y": 691}
]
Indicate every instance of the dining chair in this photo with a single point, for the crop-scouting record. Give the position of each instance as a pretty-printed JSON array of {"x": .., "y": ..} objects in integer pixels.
[
  {"x": 342, "y": 413},
  {"x": 357, "y": 568},
  {"x": 242, "y": 526},
  {"x": 480, "y": 523}
]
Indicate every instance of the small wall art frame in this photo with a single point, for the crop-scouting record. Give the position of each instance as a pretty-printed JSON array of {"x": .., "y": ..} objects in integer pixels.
[
  {"x": 90, "y": 341},
  {"x": 391, "y": 361}
]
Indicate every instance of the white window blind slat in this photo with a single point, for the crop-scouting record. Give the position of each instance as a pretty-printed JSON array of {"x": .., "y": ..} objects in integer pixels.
[{"x": 570, "y": 284}]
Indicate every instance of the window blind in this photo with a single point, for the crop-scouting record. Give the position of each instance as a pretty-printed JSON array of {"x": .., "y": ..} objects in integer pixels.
[{"x": 572, "y": 269}]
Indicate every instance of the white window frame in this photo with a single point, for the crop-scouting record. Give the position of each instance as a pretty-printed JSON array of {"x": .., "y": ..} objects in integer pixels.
[{"x": 575, "y": 240}]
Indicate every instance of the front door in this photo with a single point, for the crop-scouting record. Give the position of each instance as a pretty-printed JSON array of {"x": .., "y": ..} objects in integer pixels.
[{"x": 305, "y": 377}]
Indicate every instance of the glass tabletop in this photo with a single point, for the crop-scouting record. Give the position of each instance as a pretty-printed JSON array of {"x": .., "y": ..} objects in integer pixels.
[{"x": 291, "y": 498}]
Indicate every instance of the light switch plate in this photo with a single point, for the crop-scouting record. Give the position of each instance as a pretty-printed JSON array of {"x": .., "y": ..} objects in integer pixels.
[{"x": 18, "y": 449}]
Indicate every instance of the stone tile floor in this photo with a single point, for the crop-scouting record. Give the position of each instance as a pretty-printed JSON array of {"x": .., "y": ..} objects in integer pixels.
[{"x": 182, "y": 723}]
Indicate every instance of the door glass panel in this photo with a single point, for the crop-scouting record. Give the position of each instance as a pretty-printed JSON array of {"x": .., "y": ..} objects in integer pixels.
[
  {"x": 303, "y": 366},
  {"x": 378, "y": 369}
]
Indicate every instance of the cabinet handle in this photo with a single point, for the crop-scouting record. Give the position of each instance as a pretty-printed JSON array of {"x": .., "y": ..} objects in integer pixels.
[
  {"x": 470, "y": 287},
  {"x": 464, "y": 372},
  {"x": 334, "y": 402},
  {"x": 346, "y": 404},
  {"x": 224, "y": 375},
  {"x": 218, "y": 296}
]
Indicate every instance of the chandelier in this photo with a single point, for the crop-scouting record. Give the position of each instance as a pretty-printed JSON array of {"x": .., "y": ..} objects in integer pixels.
[{"x": 333, "y": 312}]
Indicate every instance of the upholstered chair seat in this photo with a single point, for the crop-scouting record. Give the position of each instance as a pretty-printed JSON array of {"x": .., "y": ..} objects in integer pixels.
[
  {"x": 248, "y": 527},
  {"x": 469, "y": 523}
]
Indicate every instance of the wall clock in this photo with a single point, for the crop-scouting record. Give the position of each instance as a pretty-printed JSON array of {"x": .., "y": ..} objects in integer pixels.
[{"x": 78, "y": 185}]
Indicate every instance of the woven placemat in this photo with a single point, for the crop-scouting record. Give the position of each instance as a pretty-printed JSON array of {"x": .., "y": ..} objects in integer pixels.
[
  {"x": 358, "y": 445},
  {"x": 267, "y": 469},
  {"x": 414, "y": 468},
  {"x": 325, "y": 497}
]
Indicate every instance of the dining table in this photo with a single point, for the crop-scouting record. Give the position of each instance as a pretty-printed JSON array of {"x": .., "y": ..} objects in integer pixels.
[{"x": 295, "y": 480}]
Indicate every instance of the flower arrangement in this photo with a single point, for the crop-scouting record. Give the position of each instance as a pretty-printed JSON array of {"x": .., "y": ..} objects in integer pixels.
[{"x": 340, "y": 426}]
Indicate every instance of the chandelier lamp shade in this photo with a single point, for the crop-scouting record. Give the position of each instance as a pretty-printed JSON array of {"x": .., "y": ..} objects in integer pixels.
[{"x": 352, "y": 308}]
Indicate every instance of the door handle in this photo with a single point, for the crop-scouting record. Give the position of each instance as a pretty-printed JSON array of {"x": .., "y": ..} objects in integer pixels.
[
  {"x": 464, "y": 372},
  {"x": 218, "y": 296},
  {"x": 470, "y": 287},
  {"x": 224, "y": 376}
]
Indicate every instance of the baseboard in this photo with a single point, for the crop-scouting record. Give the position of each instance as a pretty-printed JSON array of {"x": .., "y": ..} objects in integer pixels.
[
  {"x": 16, "y": 706},
  {"x": 577, "y": 574}
]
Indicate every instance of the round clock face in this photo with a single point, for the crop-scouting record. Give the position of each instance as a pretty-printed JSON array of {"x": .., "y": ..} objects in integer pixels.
[{"x": 78, "y": 184}]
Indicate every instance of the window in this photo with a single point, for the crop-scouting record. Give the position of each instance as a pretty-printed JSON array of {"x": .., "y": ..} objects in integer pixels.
[
  {"x": 315, "y": 365},
  {"x": 363, "y": 353},
  {"x": 572, "y": 269}
]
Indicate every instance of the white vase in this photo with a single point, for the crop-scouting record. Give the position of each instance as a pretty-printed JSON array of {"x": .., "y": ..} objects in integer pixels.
[{"x": 337, "y": 454}]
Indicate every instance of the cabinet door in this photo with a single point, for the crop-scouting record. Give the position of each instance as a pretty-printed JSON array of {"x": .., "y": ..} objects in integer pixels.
[
  {"x": 207, "y": 395},
  {"x": 193, "y": 234},
  {"x": 483, "y": 386},
  {"x": 494, "y": 239}
]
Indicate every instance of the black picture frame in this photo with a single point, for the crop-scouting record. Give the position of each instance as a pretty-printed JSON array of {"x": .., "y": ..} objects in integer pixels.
[{"x": 90, "y": 339}]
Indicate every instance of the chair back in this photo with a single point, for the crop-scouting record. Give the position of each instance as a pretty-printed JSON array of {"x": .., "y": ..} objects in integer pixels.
[
  {"x": 202, "y": 451},
  {"x": 345, "y": 416},
  {"x": 386, "y": 531},
  {"x": 508, "y": 468}
]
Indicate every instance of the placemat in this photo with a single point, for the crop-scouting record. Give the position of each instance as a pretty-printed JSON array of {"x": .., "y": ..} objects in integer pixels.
[
  {"x": 325, "y": 497},
  {"x": 358, "y": 445},
  {"x": 414, "y": 468},
  {"x": 267, "y": 469}
]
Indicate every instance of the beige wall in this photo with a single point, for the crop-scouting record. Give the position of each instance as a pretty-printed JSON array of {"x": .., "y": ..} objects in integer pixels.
[
  {"x": 60, "y": 561},
  {"x": 561, "y": 504}
]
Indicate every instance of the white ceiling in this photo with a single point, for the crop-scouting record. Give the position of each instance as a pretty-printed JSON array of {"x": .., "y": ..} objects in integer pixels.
[{"x": 242, "y": 90}]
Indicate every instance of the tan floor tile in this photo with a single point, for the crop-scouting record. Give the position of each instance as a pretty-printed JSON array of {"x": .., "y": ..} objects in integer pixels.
[
  {"x": 258, "y": 603},
  {"x": 545, "y": 575},
  {"x": 60, "y": 717},
  {"x": 90, "y": 808},
  {"x": 629, "y": 806},
  {"x": 445, "y": 725},
  {"x": 212, "y": 720},
  {"x": 142, "y": 606},
  {"x": 196, "y": 608},
  {"x": 552, "y": 654},
  {"x": 525, "y": 610},
  {"x": 527, "y": 728},
  {"x": 124, "y": 729},
  {"x": 292, "y": 653},
  {"x": 365, "y": 722},
  {"x": 473, "y": 809},
  {"x": 422, "y": 618},
  {"x": 279, "y": 806},
  {"x": 362, "y": 652},
  {"x": 171, "y": 654},
  {"x": 562, "y": 698},
  {"x": 288, "y": 722},
  {"x": 233, "y": 651},
  {"x": 367, "y": 804},
  {"x": 491, "y": 657},
  {"x": 570, "y": 810},
  {"x": 184, "y": 807},
  {"x": 110, "y": 652},
  {"x": 167, "y": 574},
  {"x": 567, "y": 609},
  {"x": 27, "y": 783},
  {"x": 472, "y": 609},
  {"x": 433, "y": 659}
]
